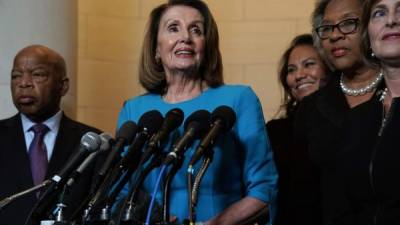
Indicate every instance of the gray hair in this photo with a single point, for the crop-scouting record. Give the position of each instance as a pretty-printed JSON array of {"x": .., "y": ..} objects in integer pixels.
[{"x": 316, "y": 21}]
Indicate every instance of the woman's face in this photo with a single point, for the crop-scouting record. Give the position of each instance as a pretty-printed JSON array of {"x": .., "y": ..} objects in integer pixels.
[
  {"x": 342, "y": 50},
  {"x": 180, "y": 39},
  {"x": 384, "y": 30},
  {"x": 305, "y": 71}
]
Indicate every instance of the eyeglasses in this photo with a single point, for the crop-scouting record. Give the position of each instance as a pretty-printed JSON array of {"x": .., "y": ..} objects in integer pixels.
[{"x": 346, "y": 26}]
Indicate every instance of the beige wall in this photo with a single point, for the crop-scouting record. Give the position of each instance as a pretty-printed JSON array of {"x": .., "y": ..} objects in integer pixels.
[{"x": 253, "y": 33}]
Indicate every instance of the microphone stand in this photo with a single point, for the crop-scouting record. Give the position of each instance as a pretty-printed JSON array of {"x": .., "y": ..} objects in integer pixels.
[
  {"x": 171, "y": 173},
  {"x": 44, "y": 184},
  {"x": 189, "y": 174},
  {"x": 41, "y": 209},
  {"x": 116, "y": 190},
  {"x": 125, "y": 167},
  {"x": 129, "y": 205},
  {"x": 99, "y": 203},
  {"x": 193, "y": 189},
  {"x": 59, "y": 211},
  {"x": 98, "y": 198},
  {"x": 8, "y": 200}
]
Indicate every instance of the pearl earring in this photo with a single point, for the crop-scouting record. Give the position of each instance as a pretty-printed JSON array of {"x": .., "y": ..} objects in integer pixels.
[{"x": 372, "y": 54}]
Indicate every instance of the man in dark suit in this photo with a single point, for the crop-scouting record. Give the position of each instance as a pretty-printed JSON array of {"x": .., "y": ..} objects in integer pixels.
[{"x": 38, "y": 82}]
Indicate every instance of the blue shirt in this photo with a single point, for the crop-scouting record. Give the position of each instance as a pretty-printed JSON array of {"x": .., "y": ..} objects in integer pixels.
[{"x": 242, "y": 164}]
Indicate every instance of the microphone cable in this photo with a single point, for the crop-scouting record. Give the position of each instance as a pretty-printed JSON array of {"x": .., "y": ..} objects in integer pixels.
[
  {"x": 129, "y": 203},
  {"x": 154, "y": 195}
]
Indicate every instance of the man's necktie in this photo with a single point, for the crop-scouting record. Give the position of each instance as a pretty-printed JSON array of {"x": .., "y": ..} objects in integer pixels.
[{"x": 38, "y": 153}]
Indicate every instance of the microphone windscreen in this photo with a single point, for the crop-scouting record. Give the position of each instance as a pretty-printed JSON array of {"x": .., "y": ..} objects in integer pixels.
[
  {"x": 151, "y": 120},
  {"x": 127, "y": 132},
  {"x": 175, "y": 116},
  {"x": 226, "y": 115},
  {"x": 106, "y": 141},
  {"x": 90, "y": 141},
  {"x": 200, "y": 120}
]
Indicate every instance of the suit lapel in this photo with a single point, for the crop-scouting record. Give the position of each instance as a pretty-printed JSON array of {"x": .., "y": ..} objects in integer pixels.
[
  {"x": 17, "y": 155},
  {"x": 332, "y": 103},
  {"x": 65, "y": 145}
]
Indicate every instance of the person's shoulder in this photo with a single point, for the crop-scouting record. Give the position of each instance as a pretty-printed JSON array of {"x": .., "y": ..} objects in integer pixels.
[
  {"x": 236, "y": 96},
  {"x": 234, "y": 90},
  {"x": 279, "y": 123},
  {"x": 310, "y": 100},
  {"x": 233, "y": 87},
  {"x": 331, "y": 88},
  {"x": 313, "y": 98},
  {"x": 279, "y": 130},
  {"x": 5, "y": 121},
  {"x": 9, "y": 122},
  {"x": 142, "y": 99}
]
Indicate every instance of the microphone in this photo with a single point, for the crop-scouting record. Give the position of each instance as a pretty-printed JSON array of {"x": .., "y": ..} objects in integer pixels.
[
  {"x": 195, "y": 127},
  {"x": 106, "y": 141},
  {"x": 222, "y": 120},
  {"x": 173, "y": 119},
  {"x": 90, "y": 142},
  {"x": 124, "y": 137},
  {"x": 149, "y": 123}
]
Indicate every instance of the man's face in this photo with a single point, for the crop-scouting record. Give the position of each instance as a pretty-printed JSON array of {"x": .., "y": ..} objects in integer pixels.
[{"x": 36, "y": 85}]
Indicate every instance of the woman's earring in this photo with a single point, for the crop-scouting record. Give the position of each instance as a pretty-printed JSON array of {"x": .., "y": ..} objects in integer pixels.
[{"x": 372, "y": 54}]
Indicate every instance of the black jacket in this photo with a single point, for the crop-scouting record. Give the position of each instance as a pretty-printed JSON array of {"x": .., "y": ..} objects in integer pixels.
[
  {"x": 298, "y": 200},
  {"x": 15, "y": 171},
  {"x": 370, "y": 166},
  {"x": 318, "y": 124}
]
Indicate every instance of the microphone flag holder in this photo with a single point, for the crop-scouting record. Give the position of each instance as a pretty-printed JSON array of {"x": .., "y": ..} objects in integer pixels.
[{"x": 170, "y": 175}]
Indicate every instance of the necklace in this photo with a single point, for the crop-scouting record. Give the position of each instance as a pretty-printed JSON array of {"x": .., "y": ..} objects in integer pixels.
[
  {"x": 383, "y": 95},
  {"x": 384, "y": 115},
  {"x": 360, "y": 91}
]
